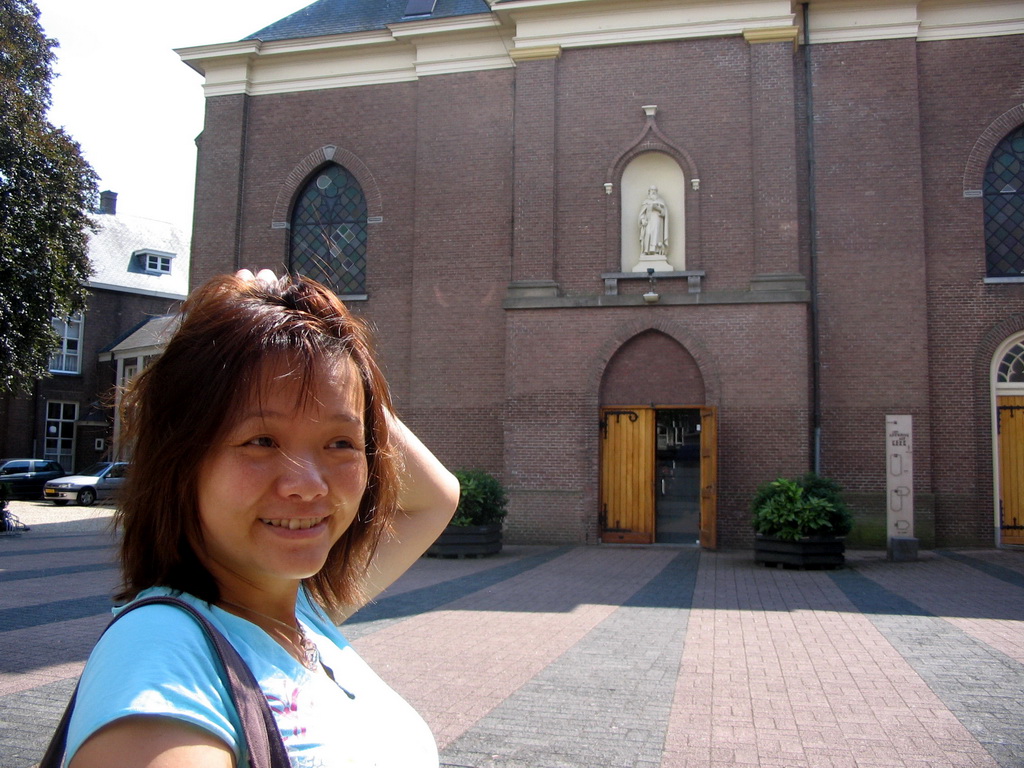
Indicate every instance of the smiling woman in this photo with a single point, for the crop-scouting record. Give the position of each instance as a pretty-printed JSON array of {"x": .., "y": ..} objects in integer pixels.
[
  {"x": 268, "y": 467},
  {"x": 284, "y": 484}
]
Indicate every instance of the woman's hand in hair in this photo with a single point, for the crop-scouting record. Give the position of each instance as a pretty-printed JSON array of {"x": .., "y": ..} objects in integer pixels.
[
  {"x": 427, "y": 500},
  {"x": 266, "y": 276}
]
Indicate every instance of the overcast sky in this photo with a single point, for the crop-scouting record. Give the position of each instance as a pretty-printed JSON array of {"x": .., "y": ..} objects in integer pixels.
[{"x": 130, "y": 101}]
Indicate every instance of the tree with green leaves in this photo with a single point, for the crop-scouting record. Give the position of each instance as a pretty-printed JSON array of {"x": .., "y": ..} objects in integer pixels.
[{"x": 47, "y": 191}]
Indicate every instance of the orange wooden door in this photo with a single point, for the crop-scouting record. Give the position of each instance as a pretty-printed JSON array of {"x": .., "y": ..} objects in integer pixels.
[
  {"x": 627, "y": 475},
  {"x": 708, "y": 478},
  {"x": 1011, "y": 469}
]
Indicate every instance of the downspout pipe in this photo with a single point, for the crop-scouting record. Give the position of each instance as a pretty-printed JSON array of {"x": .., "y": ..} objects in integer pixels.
[{"x": 812, "y": 212}]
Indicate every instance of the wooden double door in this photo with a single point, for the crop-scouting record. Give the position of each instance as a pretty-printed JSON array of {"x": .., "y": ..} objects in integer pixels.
[{"x": 659, "y": 475}]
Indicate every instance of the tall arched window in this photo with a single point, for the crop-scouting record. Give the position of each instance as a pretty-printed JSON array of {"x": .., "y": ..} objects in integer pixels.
[
  {"x": 1004, "y": 208},
  {"x": 328, "y": 231}
]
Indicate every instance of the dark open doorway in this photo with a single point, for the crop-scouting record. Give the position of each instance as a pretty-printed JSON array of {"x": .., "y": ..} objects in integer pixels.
[{"x": 677, "y": 474}]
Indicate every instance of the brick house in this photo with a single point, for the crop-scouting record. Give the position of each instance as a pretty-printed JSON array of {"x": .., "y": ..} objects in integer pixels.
[
  {"x": 140, "y": 273},
  {"x": 637, "y": 258}
]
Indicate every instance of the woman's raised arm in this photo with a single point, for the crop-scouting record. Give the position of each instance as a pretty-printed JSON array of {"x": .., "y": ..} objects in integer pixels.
[{"x": 427, "y": 500}]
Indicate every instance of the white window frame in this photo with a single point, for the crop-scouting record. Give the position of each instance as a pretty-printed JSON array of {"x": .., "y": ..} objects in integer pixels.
[
  {"x": 67, "y": 359},
  {"x": 157, "y": 263},
  {"x": 59, "y": 446}
]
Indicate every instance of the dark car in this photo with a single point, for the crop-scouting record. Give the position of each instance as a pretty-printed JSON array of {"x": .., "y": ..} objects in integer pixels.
[{"x": 26, "y": 477}]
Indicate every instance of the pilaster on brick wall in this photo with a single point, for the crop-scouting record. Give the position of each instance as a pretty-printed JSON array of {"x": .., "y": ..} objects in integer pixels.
[
  {"x": 219, "y": 183},
  {"x": 534, "y": 176},
  {"x": 869, "y": 184},
  {"x": 774, "y": 153}
]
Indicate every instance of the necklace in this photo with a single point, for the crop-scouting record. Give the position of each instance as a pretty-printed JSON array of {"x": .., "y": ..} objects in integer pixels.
[{"x": 309, "y": 655}]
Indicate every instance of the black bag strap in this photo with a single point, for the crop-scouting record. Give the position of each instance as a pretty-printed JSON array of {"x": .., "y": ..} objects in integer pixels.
[{"x": 259, "y": 729}]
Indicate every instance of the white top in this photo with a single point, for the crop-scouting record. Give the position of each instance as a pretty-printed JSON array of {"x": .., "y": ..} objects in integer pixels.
[{"x": 157, "y": 661}]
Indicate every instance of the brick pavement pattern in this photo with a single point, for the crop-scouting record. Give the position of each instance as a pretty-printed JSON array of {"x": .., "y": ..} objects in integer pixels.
[{"x": 587, "y": 657}]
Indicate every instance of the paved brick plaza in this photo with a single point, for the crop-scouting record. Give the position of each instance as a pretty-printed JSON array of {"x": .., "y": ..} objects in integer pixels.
[{"x": 586, "y": 657}]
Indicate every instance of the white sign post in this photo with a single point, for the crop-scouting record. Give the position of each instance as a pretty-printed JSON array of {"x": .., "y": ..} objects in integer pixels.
[{"x": 899, "y": 487}]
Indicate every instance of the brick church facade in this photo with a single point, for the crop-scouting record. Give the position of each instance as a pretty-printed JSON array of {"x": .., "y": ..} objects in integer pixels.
[{"x": 842, "y": 242}]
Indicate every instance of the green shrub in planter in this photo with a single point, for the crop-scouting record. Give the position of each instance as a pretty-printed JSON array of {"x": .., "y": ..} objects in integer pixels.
[
  {"x": 482, "y": 500},
  {"x": 810, "y": 506}
]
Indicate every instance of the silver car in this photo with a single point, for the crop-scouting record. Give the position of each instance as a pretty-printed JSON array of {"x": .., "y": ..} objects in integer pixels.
[{"x": 99, "y": 481}]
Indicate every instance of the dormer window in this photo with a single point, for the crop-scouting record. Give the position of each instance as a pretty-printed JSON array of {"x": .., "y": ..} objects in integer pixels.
[
  {"x": 154, "y": 262},
  {"x": 419, "y": 8}
]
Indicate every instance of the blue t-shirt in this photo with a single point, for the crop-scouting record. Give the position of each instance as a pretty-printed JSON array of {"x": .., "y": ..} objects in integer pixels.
[{"x": 157, "y": 661}]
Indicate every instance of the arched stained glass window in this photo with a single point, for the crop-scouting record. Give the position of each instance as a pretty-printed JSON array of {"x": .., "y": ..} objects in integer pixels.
[
  {"x": 328, "y": 235},
  {"x": 1004, "y": 208},
  {"x": 1011, "y": 367}
]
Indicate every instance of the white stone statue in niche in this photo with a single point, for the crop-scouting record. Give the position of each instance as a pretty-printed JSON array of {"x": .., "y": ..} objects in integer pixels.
[{"x": 653, "y": 222}]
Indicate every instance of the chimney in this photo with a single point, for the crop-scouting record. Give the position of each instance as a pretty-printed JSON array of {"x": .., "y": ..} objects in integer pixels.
[{"x": 108, "y": 202}]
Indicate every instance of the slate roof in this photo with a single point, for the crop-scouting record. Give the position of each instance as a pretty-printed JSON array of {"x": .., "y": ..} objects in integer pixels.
[
  {"x": 150, "y": 333},
  {"x": 118, "y": 237},
  {"x": 335, "y": 17}
]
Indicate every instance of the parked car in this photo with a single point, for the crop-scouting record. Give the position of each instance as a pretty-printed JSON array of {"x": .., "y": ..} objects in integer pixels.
[
  {"x": 25, "y": 477},
  {"x": 100, "y": 481}
]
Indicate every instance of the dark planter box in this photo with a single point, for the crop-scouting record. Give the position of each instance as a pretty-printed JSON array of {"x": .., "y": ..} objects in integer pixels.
[
  {"x": 467, "y": 541},
  {"x": 811, "y": 552}
]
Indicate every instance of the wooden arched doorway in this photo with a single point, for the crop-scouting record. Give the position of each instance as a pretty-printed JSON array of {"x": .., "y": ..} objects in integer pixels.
[
  {"x": 1008, "y": 388},
  {"x": 658, "y": 446}
]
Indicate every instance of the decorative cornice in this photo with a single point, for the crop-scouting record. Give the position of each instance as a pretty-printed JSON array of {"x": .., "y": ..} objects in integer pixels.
[
  {"x": 528, "y": 30},
  {"x": 614, "y": 35},
  {"x": 981, "y": 18},
  {"x": 195, "y": 56},
  {"x": 444, "y": 26},
  {"x": 962, "y": 31}
]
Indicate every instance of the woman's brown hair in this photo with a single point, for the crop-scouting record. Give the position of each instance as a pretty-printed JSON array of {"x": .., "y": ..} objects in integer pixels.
[{"x": 231, "y": 329}]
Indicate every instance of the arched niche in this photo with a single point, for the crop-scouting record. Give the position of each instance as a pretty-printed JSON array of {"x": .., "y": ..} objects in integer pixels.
[
  {"x": 661, "y": 171},
  {"x": 652, "y": 368}
]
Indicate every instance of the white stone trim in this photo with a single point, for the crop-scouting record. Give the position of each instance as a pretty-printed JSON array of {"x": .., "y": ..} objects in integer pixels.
[
  {"x": 458, "y": 24},
  {"x": 955, "y": 19},
  {"x": 470, "y": 51},
  {"x": 846, "y": 21},
  {"x": 407, "y": 51},
  {"x": 579, "y": 23}
]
